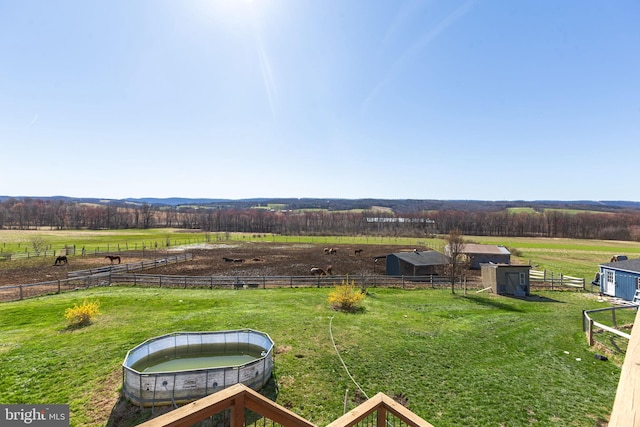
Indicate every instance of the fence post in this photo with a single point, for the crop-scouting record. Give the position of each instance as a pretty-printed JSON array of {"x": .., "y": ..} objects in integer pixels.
[
  {"x": 551, "y": 279},
  {"x": 21, "y": 294},
  {"x": 58, "y": 285},
  {"x": 590, "y": 332},
  {"x": 613, "y": 317}
]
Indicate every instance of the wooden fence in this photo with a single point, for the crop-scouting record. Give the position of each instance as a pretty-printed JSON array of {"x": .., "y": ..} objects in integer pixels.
[
  {"x": 133, "y": 266},
  {"x": 83, "y": 279},
  {"x": 106, "y": 276},
  {"x": 125, "y": 274},
  {"x": 248, "y": 282},
  {"x": 554, "y": 281},
  {"x": 589, "y": 325}
]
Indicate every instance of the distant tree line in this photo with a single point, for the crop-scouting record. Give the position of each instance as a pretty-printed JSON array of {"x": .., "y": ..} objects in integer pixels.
[{"x": 34, "y": 213}]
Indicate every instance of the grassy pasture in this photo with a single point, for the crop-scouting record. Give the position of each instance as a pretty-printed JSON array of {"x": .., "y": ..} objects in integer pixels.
[
  {"x": 573, "y": 257},
  {"x": 474, "y": 360}
]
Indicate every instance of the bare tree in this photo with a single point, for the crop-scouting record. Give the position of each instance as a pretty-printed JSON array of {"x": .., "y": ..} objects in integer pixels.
[
  {"x": 39, "y": 244},
  {"x": 457, "y": 260}
]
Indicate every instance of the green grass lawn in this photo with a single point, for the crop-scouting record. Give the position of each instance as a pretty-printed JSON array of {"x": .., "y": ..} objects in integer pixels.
[{"x": 474, "y": 360}]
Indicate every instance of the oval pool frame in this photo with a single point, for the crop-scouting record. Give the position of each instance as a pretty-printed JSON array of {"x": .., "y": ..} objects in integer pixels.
[{"x": 178, "y": 387}]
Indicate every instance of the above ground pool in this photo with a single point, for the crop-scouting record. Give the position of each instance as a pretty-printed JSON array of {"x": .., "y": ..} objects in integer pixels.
[{"x": 184, "y": 366}]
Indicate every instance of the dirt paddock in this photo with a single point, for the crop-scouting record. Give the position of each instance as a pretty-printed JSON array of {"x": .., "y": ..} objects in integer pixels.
[{"x": 243, "y": 259}]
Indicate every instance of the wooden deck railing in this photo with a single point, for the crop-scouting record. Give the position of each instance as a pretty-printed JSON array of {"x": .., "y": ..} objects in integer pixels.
[{"x": 237, "y": 398}]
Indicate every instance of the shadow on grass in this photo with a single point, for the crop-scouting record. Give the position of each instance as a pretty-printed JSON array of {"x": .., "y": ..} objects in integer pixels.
[
  {"x": 534, "y": 298},
  {"x": 491, "y": 302},
  {"x": 497, "y": 303},
  {"x": 126, "y": 414}
]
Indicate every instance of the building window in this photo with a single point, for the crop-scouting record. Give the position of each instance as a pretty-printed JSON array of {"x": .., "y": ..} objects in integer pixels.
[
  {"x": 637, "y": 283},
  {"x": 523, "y": 279}
]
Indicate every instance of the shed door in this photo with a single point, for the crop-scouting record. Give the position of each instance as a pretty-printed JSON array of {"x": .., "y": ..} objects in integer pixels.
[
  {"x": 609, "y": 283},
  {"x": 518, "y": 284}
]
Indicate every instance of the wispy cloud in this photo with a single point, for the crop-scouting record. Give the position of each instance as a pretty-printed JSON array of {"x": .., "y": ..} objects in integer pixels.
[
  {"x": 415, "y": 48},
  {"x": 34, "y": 120}
]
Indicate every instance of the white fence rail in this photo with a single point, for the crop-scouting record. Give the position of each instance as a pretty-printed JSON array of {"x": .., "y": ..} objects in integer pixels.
[
  {"x": 554, "y": 280},
  {"x": 589, "y": 325}
]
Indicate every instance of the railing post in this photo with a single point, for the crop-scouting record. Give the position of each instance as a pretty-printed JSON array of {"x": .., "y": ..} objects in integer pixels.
[
  {"x": 237, "y": 411},
  {"x": 589, "y": 332},
  {"x": 381, "y": 416}
]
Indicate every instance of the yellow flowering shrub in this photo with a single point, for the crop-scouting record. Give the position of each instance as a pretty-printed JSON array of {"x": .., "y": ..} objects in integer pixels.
[
  {"x": 81, "y": 315},
  {"x": 346, "y": 296}
]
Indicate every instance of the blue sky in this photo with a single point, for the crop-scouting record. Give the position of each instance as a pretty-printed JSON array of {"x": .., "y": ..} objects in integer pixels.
[{"x": 421, "y": 99}]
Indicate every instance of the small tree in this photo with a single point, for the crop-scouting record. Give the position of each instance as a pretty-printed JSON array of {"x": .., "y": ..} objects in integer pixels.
[
  {"x": 457, "y": 263},
  {"x": 39, "y": 243}
]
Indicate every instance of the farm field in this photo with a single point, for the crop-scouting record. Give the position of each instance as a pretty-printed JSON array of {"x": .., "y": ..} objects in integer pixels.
[
  {"x": 473, "y": 360},
  {"x": 281, "y": 255}
]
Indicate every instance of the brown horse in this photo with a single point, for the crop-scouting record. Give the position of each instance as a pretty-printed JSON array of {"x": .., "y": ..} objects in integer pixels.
[
  {"x": 315, "y": 271},
  {"x": 113, "y": 258},
  {"x": 61, "y": 260}
]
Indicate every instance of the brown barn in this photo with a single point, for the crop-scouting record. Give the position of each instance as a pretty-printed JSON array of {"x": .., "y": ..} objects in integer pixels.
[{"x": 506, "y": 279}]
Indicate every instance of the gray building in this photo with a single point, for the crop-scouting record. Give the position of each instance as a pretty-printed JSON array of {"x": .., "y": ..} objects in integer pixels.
[{"x": 415, "y": 263}]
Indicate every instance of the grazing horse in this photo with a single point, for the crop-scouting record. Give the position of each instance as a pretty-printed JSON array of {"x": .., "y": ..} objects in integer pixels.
[
  {"x": 315, "y": 271},
  {"x": 357, "y": 251},
  {"x": 332, "y": 251},
  {"x": 113, "y": 258},
  {"x": 61, "y": 260}
]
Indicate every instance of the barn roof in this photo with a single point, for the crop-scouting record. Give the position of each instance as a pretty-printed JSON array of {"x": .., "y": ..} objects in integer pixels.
[
  {"x": 420, "y": 258},
  {"x": 630, "y": 265},
  {"x": 475, "y": 248}
]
